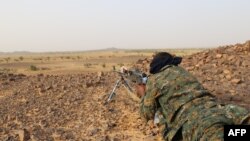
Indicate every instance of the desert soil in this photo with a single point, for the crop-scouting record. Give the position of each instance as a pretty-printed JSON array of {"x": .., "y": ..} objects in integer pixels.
[{"x": 72, "y": 107}]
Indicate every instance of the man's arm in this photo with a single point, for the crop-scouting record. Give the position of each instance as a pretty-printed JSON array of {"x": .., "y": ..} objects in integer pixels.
[{"x": 148, "y": 104}]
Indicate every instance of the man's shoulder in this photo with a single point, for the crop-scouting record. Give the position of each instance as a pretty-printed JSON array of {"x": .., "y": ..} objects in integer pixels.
[
  {"x": 170, "y": 71},
  {"x": 177, "y": 70},
  {"x": 173, "y": 70}
]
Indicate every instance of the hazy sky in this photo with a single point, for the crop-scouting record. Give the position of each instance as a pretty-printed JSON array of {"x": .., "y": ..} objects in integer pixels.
[{"x": 64, "y": 25}]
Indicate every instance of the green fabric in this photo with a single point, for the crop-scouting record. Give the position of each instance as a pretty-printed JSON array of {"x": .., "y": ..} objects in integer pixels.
[{"x": 187, "y": 106}]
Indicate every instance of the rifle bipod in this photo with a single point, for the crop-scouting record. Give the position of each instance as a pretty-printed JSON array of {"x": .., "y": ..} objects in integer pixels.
[{"x": 117, "y": 84}]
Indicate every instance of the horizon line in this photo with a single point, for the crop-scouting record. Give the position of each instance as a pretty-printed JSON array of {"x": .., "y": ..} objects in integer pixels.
[{"x": 105, "y": 49}]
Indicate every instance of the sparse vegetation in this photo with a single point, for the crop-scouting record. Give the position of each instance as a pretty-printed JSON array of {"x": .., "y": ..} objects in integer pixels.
[
  {"x": 87, "y": 65},
  {"x": 33, "y": 68},
  {"x": 37, "y": 59},
  {"x": 7, "y": 70},
  {"x": 78, "y": 62},
  {"x": 67, "y": 57},
  {"x": 7, "y": 59},
  {"x": 120, "y": 64},
  {"x": 45, "y": 68},
  {"x": 21, "y": 58},
  {"x": 104, "y": 65}
]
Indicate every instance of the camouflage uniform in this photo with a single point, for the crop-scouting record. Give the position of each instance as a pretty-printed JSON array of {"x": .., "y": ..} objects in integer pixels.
[{"x": 189, "y": 111}]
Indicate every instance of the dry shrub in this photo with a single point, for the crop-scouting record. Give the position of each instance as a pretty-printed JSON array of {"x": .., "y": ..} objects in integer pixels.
[
  {"x": 104, "y": 65},
  {"x": 21, "y": 58},
  {"x": 87, "y": 65},
  {"x": 33, "y": 68}
]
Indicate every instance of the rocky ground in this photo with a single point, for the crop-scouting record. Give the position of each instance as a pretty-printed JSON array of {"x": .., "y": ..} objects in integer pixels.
[
  {"x": 72, "y": 107},
  {"x": 67, "y": 107}
]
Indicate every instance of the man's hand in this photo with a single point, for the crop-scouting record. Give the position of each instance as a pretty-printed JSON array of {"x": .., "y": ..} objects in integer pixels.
[
  {"x": 140, "y": 90},
  {"x": 123, "y": 69}
]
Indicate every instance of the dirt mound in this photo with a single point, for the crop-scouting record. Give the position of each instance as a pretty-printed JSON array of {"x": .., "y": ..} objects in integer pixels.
[{"x": 224, "y": 71}]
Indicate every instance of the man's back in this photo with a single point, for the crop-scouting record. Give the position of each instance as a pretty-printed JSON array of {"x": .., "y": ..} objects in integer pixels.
[{"x": 190, "y": 111}]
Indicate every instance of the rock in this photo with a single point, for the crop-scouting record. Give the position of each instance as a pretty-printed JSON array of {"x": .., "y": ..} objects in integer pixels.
[
  {"x": 24, "y": 135},
  {"x": 48, "y": 87},
  {"x": 209, "y": 78},
  {"x": 155, "y": 131},
  {"x": 100, "y": 74},
  {"x": 226, "y": 72},
  {"x": 148, "y": 132},
  {"x": 64, "y": 87},
  {"x": 150, "y": 123},
  {"x": 89, "y": 84},
  {"x": 11, "y": 79},
  {"x": 218, "y": 55},
  {"x": 190, "y": 68},
  {"x": 94, "y": 131},
  {"x": 228, "y": 77},
  {"x": 238, "y": 63},
  {"x": 116, "y": 139},
  {"x": 144, "y": 61},
  {"x": 245, "y": 63},
  {"x": 231, "y": 58},
  {"x": 69, "y": 136},
  {"x": 236, "y": 81},
  {"x": 41, "y": 90},
  {"x": 140, "y": 61},
  {"x": 40, "y": 75}
]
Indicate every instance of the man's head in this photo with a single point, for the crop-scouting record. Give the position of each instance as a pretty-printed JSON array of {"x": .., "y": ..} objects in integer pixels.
[{"x": 162, "y": 59}]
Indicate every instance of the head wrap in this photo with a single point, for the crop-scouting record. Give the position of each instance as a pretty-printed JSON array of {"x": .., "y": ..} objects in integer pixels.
[{"x": 162, "y": 59}]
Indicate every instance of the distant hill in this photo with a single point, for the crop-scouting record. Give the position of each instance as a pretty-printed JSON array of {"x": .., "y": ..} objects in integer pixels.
[
  {"x": 53, "y": 52},
  {"x": 112, "y": 48},
  {"x": 16, "y": 53}
]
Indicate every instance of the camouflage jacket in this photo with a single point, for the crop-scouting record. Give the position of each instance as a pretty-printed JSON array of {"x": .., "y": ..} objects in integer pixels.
[{"x": 189, "y": 111}]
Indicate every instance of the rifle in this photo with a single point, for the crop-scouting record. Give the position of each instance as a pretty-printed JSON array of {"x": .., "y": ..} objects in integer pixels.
[{"x": 133, "y": 76}]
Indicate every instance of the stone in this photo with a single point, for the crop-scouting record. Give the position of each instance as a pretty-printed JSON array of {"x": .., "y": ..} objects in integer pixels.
[
  {"x": 228, "y": 77},
  {"x": 24, "y": 135},
  {"x": 218, "y": 55},
  {"x": 236, "y": 81},
  {"x": 89, "y": 84},
  {"x": 116, "y": 139},
  {"x": 226, "y": 71},
  {"x": 94, "y": 131},
  {"x": 150, "y": 123},
  {"x": 100, "y": 74}
]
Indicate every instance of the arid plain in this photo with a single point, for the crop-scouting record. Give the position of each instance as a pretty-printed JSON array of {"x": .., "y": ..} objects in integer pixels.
[{"x": 61, "y": 96}]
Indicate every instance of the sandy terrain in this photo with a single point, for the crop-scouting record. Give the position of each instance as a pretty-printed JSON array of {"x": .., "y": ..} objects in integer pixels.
[{"x": 69, "y": 104}]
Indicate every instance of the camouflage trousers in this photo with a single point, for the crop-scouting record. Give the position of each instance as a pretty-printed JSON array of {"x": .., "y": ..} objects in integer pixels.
[{"x": 201, "y": 121}]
